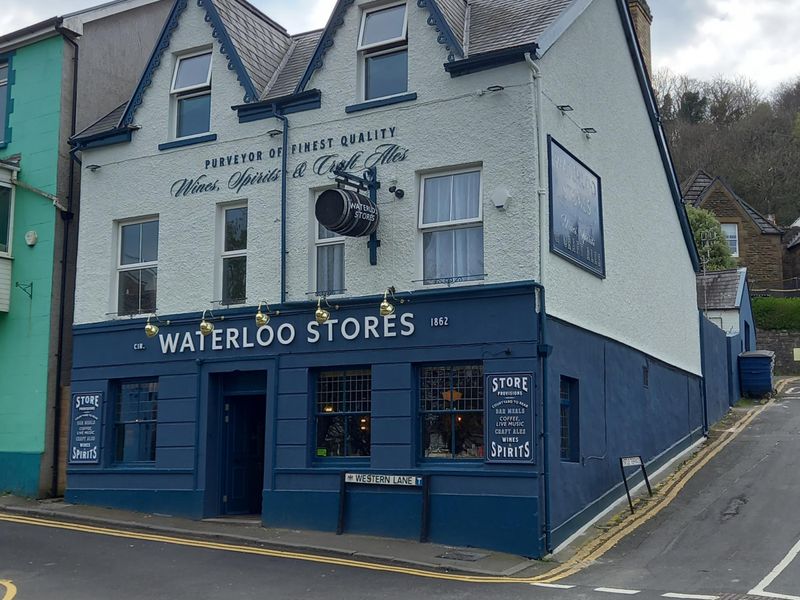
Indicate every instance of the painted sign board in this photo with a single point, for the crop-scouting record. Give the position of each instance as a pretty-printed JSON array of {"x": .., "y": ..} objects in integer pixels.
[
  {"x": 631, "y": 461},
  {"x": 86, "y": 422},
  {"x": 380, "y": 479},
  {"x": 509, "y": 418},
  {"x": 576, "y": 211}
]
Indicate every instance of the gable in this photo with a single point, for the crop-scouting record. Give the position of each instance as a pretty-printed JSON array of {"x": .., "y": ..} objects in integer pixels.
[{"x": 720, "y": 191}]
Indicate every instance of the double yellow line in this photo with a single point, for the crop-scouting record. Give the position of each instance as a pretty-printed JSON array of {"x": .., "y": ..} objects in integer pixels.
[{"x": 586, "y": 556}]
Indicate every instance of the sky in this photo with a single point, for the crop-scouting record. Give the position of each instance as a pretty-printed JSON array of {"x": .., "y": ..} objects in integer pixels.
[{"x": 701, "y": 38}]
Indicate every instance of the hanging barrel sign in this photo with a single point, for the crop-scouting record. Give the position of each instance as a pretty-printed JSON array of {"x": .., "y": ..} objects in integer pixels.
[{"x": 347, "y": 213}]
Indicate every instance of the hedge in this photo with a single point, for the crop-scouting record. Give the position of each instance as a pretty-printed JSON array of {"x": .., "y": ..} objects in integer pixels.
[{"x": 777, "y": 313}]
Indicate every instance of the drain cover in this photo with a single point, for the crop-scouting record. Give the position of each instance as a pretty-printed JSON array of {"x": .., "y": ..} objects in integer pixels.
[{"x": 462, "y": 556}]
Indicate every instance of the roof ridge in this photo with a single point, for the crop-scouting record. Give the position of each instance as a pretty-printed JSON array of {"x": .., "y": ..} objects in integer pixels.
[{"x": 286, "y": 57}]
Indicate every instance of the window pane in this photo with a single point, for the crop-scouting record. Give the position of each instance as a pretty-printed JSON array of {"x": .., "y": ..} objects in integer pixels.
[
  {"x": 437, "y": 200},
  {"x": 324, "y": 233},
  {"x": 147, "y": 302},
  {"x": 467, "y": 388},
  {"x": 330, "y": 435},
  {"x": 386, "y": 74},
  {"x": 3, "y": 72},
  {"x": 330, "y": 268},
  {"x": 469, "y": 435},
  {"x": 234, "y": 280},
  {"x": 236, "y": 229},
  {"x": 437, "y": 251},
  {"x": 5, "y": 218},
  {"x": 382, "y": 25},
  {"x": 437, "y": 435},
  {"x": 149, "y": 241},
  {"x": 194, "y": 115},
  {"x": 192, "y": 71},
  {"x": 128, "y": 303},
  {"x": 131, "y": 245},
  {"x": 466, "y": 195},
  {"x": 468, "y": 252},
  {"x": 358, "y": 435}
]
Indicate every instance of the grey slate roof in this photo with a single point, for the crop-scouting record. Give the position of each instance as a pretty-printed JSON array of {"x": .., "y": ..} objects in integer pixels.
[
  {"x": 298, "y": 57},
  {"x": 455, "y": 13},
  {"x": 260, "y": 41},
  {"x": 104, "y": 124},
  {"x": 718, "y": 290},
  {"x": 695, "y": 188},
  {"x": 499, "y": 24}
]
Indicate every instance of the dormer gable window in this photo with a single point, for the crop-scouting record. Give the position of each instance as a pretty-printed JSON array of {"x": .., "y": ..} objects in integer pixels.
[
  {"x": 383, "y": 49},
  {"x": 191, "y": 91}
]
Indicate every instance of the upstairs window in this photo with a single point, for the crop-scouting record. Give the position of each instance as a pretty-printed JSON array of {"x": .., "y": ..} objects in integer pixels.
[
  {"x": 452, "y": 228},
  {"x": 191, "y": 90},
  {"x": 138, "y": 268},
  {"x": 6, "y": 216},
  {"x": 731, "y": 231},
  {"x": 383, "y": 44},
  {"x": 3, "y": 101},
  {"x": 234, "y": 255},
  {"x": 330, "y": 262}
]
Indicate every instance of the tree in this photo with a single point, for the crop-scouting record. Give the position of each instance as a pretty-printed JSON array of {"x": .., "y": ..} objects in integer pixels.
[{"x": 715, "y": 254}]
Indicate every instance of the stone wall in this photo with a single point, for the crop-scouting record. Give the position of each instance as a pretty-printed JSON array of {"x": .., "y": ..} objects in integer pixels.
[{"x": 783, "y": 344}]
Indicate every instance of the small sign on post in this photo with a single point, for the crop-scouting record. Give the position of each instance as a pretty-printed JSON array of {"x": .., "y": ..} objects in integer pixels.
[{"x": 633, "y": 461}]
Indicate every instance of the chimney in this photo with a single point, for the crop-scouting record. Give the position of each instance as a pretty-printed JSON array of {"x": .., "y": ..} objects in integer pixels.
[
  {"x": 771, "y": 218},
  {"x": 642, "y": 20}
]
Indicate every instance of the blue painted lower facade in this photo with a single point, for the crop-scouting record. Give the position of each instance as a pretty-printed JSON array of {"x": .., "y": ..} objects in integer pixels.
[{"x": 472, "y": 502}]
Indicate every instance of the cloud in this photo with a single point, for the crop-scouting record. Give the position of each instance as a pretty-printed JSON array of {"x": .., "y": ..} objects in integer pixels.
[{"x": 728, "y": 37}]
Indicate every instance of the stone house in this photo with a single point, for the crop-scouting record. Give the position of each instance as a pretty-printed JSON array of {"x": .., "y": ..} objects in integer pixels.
[{"x": 755, "y": 240}]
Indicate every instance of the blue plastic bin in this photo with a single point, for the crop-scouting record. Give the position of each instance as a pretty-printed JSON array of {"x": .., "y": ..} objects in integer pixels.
[{"x": 756, "y": 372}]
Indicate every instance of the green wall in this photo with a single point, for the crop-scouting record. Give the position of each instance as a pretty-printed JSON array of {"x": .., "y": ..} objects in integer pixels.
[{"x": 25, "y": 329}]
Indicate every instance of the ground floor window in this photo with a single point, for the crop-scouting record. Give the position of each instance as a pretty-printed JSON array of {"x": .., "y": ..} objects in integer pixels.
[
  {"x": 343, "y": 413},
  {"x": 135, "y": 422},
  {"x": 451, "y": 409},
  {"x": 570, "y": 431}
]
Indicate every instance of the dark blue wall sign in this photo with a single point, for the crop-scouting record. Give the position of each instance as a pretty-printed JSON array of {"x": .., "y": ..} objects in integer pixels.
[
  {"x": 509, "y": 418},
  {"x": 84, "y": 438},
  {"x": 576, "y": 211}
]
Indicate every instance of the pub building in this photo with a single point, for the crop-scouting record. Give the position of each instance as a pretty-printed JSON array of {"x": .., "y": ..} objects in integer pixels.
[{"x": 421, "y": 274}]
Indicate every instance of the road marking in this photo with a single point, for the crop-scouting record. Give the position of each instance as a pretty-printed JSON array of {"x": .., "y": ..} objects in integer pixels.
[
  {"x": 760, "y": 589},
  {"x": 617, "y": 591},
  {"x": 588, "y": 555},
  {"x": 581, "y": 560},
  {"x": 689, "y": 596},
  {"x": 11, "y": 589},
  {"x": 554, "y": 586}
]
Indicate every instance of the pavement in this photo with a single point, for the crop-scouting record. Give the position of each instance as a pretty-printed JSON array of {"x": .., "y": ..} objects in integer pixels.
[{"x": 628, "y": 548}]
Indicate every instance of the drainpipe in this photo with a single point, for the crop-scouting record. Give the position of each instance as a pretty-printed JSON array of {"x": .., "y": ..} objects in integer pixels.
[
  {"x": 66, "y": 217},
  {"x": 284, "y": 176},
  {"x": 544, "y": 349}
]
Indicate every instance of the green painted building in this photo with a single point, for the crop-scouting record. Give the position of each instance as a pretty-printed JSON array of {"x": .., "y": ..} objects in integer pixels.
[{"x": 56, "y": 77}]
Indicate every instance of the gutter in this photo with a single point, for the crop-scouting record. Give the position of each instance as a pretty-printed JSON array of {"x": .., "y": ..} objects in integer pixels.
[
  {"x": 489, "y": 60},
  {"x": 284, "y": 174},
  {"x": 67, "y": 218}
]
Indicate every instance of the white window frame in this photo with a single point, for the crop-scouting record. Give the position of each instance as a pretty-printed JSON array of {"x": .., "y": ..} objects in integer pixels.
[
  {"x": 4, "y": 85},
  {"x": 725, "y": 233},
  {"x": 222, "y": 254},
  {"x": 380, "y": 48},
  {"x": 332, "y": 241},
  {"x": 193, "y": 91},
  {"x": 133, "y": 266},
  {"x": 182, "y": 57},
  {"x": 367, "y": 11},
  {"x": 448, "y": 225},
  {"x": 10, "y": 252}
]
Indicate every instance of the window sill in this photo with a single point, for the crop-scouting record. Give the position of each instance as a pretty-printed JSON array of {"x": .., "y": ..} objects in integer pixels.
[
  {"x": 388, "y": 101},
  {"x": 200, "y": 139}
]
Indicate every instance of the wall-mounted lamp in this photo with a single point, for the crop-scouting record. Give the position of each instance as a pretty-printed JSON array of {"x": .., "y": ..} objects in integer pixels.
[
  {"x": 495, "y": 88},
  {"x": 93, "y": 168},
  {"x": 262, "y": 318},
  {"x": 151, "y": 329},
  {"x": 565, "y": 108},
  {"x": 387, "y": 308},
  {"x": 588, "y": 131},
  {"x": 321, "y": 315},
  {"x": 274, "y": 132},
  {"x": 500, "y": 198},
  {"x": 207, "y": 326}
]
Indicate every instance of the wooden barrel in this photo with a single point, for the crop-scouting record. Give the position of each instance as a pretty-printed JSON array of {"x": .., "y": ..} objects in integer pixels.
[{"x": 347, "y": 213}]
